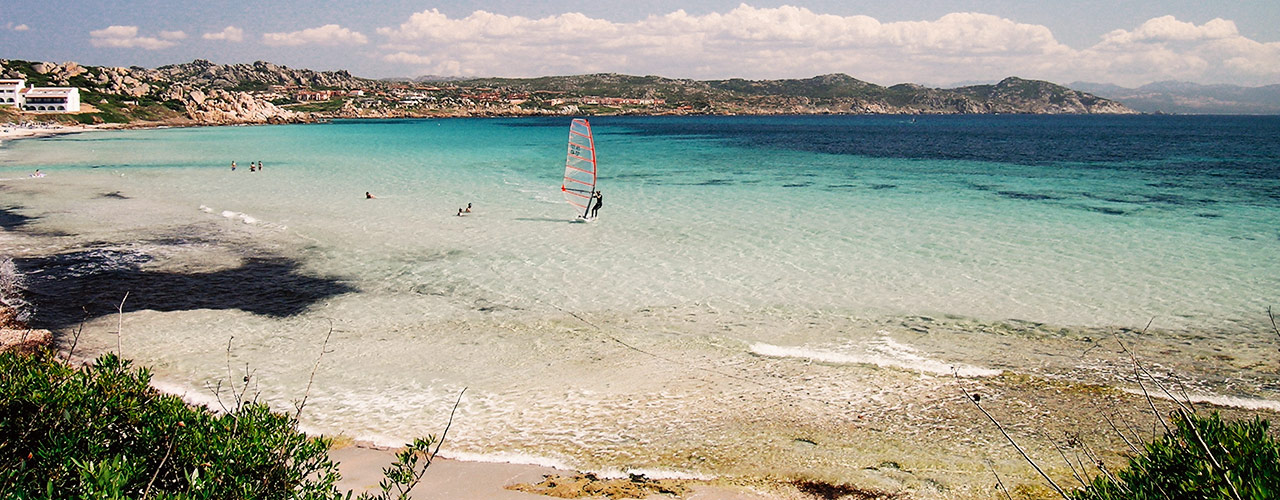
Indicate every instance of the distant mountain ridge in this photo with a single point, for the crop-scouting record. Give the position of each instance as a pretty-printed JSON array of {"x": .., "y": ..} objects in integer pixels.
[
  {"x": 834, "y": 93},
  {"x": 1191, "y": 98},
  {"x": 205, "y": 93}
]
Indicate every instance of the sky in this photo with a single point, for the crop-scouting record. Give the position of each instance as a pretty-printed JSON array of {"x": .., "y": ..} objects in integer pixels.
[{"x": 935, "y": 43}]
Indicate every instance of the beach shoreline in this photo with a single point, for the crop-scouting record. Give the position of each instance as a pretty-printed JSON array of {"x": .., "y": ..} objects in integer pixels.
[
  {"x": 10, "y": 132},
  {"x": 13, "y": 132},
  {"x": 361, "y": 465}
]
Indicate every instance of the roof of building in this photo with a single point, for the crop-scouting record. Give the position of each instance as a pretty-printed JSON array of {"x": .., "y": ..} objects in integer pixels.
[
  {"x": 51, "y": 91},
  {"x": 7, "y": 81}
]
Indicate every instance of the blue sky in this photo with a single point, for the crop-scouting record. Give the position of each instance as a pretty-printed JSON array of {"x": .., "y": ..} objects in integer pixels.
[{"x": 931, "y": 42}]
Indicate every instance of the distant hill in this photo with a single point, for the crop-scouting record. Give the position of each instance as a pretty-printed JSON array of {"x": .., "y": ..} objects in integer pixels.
[
  {"x": 204, "y": 93},
  {"x": 1191, "y": 98},
  {"x": 836, "y": 93}
]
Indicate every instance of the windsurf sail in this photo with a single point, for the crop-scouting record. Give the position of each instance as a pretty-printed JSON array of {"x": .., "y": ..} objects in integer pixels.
[{"x": 580, "y": 166}]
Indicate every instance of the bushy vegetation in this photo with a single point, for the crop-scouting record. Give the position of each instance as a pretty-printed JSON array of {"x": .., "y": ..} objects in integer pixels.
[
  {"x": 1203, "y": 457},
  {"x": 100, "y": 432}
]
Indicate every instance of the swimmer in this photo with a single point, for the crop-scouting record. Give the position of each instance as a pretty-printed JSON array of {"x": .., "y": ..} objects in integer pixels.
[{"x": 368, "y": 196}]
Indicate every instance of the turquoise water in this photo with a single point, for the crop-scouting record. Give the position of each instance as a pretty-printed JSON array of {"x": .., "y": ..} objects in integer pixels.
[{"x": 729, "y": 248}]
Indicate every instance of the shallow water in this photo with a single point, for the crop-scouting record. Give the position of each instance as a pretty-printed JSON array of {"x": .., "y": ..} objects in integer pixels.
[{"x": 789, "y": 267}]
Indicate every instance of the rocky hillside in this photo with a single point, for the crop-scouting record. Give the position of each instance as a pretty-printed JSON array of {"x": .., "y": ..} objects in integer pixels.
[
  {"x": 202, "y": 74},
  {"x": 204, "y": 93},
  {"x": 199, "y": 92},
  {"x": 1015, "y": 95}
]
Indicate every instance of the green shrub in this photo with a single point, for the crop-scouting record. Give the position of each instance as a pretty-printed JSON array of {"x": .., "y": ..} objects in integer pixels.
[
  {"x": 100, "y": 431},
  {"x": 1246, "y": 459}
]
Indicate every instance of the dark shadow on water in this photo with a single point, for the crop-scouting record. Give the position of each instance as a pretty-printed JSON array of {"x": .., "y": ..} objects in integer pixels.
[
  {"x": 73, "y": 287},
  {"x": 1016, "y": 195},
  {"x": 11, "y": 220},
  {"x": 113, "y": 194}
]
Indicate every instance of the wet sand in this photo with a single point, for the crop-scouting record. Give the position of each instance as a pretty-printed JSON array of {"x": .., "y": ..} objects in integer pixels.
[{"x": 361, "y": 467}]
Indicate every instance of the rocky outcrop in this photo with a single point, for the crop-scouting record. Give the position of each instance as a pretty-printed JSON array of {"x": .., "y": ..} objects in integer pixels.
[
  {"x": 220, "y": 107},
  {"x": 1016, "y": 95},
  {"x": 206, "y": 74},
  {"x": 121, "y": 81}
]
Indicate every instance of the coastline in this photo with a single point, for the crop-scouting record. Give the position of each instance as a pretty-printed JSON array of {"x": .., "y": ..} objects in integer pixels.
[
  {"x": 13, "y": 132},
  {"x": 893, "y": 439}
]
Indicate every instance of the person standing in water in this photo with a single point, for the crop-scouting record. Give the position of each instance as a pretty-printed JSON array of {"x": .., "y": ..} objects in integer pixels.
[{"x": 599, "y": 203}]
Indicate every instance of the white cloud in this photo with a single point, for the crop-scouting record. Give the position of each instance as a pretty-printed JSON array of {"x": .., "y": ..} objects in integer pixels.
[
  {"x": 1164, "y": 48},
  {"x": 21, "y": 27},
  {"x": 173, "y": 35},
  {"x": 746, "y": 41},
  {"x": 230, "y": 34},
  {"x": 407, "y": 58},
  {"x": 795, "y": 42},
  {"x": 1167, "y": 29},
  {"x": 329, "y": 34},
  {"x": 127, "y": 37}
]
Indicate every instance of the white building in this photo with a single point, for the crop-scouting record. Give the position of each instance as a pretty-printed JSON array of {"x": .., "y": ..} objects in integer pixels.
[
  {"x": 51, "y": 99},
  {"x": 11, "y": 92}
]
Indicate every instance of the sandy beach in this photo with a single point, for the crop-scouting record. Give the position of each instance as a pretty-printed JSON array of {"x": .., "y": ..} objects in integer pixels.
[{"x": 11, "y": 131}]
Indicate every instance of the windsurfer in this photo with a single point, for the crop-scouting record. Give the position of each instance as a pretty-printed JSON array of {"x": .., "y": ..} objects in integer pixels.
[{"x": 599, "y": 203}]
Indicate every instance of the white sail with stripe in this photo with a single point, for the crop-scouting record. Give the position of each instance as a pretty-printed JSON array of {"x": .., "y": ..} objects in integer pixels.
[{"x": 580, "y": 166}]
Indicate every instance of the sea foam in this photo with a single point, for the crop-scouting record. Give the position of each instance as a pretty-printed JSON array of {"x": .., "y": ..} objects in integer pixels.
[
  {"x": 883, "y": 352},
  {"x": 1217, "y": 399}
]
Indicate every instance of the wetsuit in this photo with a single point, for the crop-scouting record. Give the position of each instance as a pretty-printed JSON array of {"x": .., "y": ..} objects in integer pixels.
[{"x": 599, "y": 203}]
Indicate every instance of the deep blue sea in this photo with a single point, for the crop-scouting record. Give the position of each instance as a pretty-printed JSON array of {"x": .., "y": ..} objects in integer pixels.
[{"x": 738, "y": 262}]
